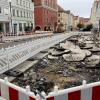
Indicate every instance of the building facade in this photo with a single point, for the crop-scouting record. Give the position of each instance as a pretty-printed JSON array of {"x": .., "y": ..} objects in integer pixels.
[
  {"x": 76, "y": 22},
  {"x": 95, "y": 14},
  {"x": 84, "y": 21},
  {"x": 22, "y": 16},
  {"x": 62, "y": 19},
  {"x": 45, "y": 15},
  {"x": 4, "y": 17},
  {"x": 98, "y": 15},
  {"x": 70, "y": 20}
]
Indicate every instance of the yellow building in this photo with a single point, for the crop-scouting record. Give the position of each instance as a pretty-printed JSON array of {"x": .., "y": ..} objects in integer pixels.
[
  {"x": 62, "y": 19},
  {"x": 76, "y": 22}
]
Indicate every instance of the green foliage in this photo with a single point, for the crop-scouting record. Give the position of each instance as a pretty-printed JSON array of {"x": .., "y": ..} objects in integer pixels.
[
  {"x": 80, "y": 25},
  {"x": 88, "y": 27}
]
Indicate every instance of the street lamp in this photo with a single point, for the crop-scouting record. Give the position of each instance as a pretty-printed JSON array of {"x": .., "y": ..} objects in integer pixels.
[{"x": 11, "y": 27}]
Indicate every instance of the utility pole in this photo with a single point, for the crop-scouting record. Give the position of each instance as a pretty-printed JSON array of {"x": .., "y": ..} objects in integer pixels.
[{"x": 11, "y": 17}]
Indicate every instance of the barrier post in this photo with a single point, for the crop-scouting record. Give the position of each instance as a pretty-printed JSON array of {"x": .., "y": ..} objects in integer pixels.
[
  {"x": 56, "y": 88},
  {"x": 4, "y": 89},
  {"x": 27, "y": 89},
  {"x": 6, "y": 79},
  {"x": 44, "y": 95},
  {"x": 38, "y": 97},
  {"x": 84, "y": 83}
]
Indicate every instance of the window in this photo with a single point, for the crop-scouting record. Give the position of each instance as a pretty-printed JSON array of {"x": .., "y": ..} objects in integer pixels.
[
  {"x": 59, "y": 15},
  {"x": 1, "y": 27},
  {"x": 7, "y": 27},
  {"x": 47, "y": 11},
  {"x": 17, "y": 13},
  {"x": 44, "y": 11},
  {"x": 21, "y": 2},
  {"x": 28, "y": 24},
  {"x": 27, "y": 15},
  {"x": 58, "y": 20},
  {"x": 24, "y": 3},
  {"x": 47, "y": 20},
  {"x": 21, "y": 14},
  {"x": 17, "y": 2},
  {"x": 32, "y": 15},
  {"x": 46, "y": 2},
  {"x": 24, "y": 26},
  {"x": 13, "y": 12},
  {"x": 29, "y": 5},
  {"x": 24, "y": 14},
  {"x": 20, "y": 26}
]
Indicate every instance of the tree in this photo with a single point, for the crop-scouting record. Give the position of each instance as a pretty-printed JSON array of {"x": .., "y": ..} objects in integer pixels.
[
  {"x": 80, "y": 25},
  {"x": 89, "y": 27}
]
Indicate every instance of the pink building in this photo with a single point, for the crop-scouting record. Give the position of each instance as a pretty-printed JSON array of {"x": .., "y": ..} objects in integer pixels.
[{"x": 45, "y": 14}]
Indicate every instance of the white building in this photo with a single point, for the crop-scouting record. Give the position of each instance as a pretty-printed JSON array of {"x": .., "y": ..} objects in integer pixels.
[
  {"x": 4, "y": 17},
  {"x": 76, "y": 22},
  {"x": 16, "y": 17},
  {"x": 22, "y": 16}
]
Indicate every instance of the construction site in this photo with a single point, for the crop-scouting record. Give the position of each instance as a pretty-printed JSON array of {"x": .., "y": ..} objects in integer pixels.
[{"x": 66, "y": 64}]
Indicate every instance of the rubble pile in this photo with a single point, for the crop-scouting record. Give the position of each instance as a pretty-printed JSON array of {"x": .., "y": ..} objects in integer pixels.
[{"x": 66, "y": 65}]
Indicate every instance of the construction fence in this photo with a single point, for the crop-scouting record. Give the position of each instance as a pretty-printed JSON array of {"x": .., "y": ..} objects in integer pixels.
[{"x": 10, "y": 91}]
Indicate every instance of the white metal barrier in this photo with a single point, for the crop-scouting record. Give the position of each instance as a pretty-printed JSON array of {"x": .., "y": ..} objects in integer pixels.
[
  {"x": 13, "y": 56},
  {"x": 12, "y": 92},
  {"x": 83, "y": 92},
  {"x": 14, "y": 38}
]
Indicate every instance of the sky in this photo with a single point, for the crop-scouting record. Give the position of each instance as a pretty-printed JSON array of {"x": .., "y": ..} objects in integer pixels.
[{"x": 77, "y": 7}]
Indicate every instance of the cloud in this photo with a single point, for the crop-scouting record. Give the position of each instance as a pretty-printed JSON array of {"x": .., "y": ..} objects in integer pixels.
[{"x": 78, "y": 7}]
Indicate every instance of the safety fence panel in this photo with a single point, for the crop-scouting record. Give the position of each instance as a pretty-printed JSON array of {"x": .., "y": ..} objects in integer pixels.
[
  {"x": 10, "y": 57},
  {"x": 84, "y": 92},
  {"x": 11, "y": 92}
]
